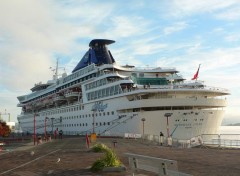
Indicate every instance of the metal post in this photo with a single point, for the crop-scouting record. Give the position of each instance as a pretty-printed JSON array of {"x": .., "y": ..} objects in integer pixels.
[
  {"x": 168, "y": 127},
  {"x": 93, "y": 122},
  {"x": 45, "y": 132},
  {"x": 168, "y": 115},
  {"x": 52, "y": 123},
  {"x": 60, "y": 122},
  {"x": 143, "y": 120},
  {"x": 34, "y": 132}
]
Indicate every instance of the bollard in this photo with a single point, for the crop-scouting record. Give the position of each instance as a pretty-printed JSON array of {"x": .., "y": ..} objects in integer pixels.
[
  {"x": 114, "y": 143},
  {"x": 39, "y": 141}
]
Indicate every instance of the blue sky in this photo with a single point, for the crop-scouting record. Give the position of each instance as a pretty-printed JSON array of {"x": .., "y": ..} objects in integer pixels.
[{"x": 164, "y": 33}]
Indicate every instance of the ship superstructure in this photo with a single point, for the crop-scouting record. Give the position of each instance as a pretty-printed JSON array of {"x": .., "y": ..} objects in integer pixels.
[{"x": 103, "y": 97}]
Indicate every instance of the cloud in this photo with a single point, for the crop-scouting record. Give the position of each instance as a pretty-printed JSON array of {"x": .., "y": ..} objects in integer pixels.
[
  {"x": 125, "y": 26},
  {"x": 188, "y": 7},
  {"x": 230, "y": 14},
  {"x": 174, "y": 28},
  {"x": 233, "y": 37},
  {"x": 149, "y": 49},
  {"x": 34, "y": 33}
]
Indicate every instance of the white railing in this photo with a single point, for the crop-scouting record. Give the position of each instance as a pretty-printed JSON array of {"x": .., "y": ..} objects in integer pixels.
[
  {"x": 221, "y": 140},
  {"x": 207, "y": 140}
]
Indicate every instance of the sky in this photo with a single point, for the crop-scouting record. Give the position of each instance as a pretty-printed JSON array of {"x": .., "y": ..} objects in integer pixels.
[{"x": 156, "y": 33}]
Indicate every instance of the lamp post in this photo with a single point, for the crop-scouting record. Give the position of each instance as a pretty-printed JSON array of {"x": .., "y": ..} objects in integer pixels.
[
  {"x": 93, "y": 123},
  {"x": 45, "y": 132},
  {"x": 34, "y": 129},
  {"x": 143, "y": 120},
  {"x": 52, "y": 123},
  {"x": 94, "y": 110},
  {"x": 168, "y": 115}
]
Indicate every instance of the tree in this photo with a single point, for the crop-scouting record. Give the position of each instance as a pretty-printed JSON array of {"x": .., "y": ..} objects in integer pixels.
[{"x": 4, "y": 129}]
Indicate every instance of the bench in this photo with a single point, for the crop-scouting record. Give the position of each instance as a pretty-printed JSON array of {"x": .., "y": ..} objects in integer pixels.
[{"x": 152, "y": 164}]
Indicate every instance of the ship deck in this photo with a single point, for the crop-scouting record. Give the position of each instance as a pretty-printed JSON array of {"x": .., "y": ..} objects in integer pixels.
[{"x": 75, "y": 159}]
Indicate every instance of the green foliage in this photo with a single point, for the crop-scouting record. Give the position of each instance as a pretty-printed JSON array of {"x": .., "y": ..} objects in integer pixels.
[
  {"x": 98, "y": 165},
  {"x": 100, "y": 148},
  {"x": 110, "y": 159}
]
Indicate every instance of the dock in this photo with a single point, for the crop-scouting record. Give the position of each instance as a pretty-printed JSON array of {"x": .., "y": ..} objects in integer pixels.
[{"x": 70, "y": 157}]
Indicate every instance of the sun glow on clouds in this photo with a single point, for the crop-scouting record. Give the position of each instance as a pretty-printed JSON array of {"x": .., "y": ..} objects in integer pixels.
[{"x": 173, "y": 34}]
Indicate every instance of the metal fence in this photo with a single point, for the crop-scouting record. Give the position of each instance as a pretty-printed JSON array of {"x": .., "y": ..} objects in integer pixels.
[
  {"x": 221, "y": 140},
  {"x": 208, "y": 140}
]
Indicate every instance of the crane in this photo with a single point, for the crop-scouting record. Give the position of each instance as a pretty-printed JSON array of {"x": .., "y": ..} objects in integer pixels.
[{"x": 5, "y": 113}]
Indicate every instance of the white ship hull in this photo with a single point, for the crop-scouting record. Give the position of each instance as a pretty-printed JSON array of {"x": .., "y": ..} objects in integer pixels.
[
  {"x": 182, "y": 124},
  {"x": 102, "y": 97}
]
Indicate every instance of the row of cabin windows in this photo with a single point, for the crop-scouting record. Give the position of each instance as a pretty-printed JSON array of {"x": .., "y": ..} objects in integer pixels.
[
  {"x": 96, "y": 84},
  {"x": 86, "y": 124},
  {"x": 79, "y": 73},
  {"x": 39, "y": 97},
  {"x": 113, "y": 90},
  {"x": 90, "y": 115},
  {"x": 64, "y": 110},
  {"x": 80, "y": 116},
  {"x": 177, "y": 120},
  {"x": 68, "y": 78}
]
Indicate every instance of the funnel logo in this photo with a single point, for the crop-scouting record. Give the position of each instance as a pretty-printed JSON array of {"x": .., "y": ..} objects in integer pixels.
[{"x": 99, "y": 106}]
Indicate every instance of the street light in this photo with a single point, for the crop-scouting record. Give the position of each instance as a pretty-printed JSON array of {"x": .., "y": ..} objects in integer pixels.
[
  {"x": 168, "y": 115},
  {"x": 143, "y": 120},
  {"x": 45, "y": 133},
  {"x": 52, "y": 123},
  {"x": 34, "y": 131},
  {"x": 94, "y": 110}
]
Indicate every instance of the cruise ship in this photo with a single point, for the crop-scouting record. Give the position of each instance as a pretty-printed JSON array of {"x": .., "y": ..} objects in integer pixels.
[{"x": 108, "y": 99}]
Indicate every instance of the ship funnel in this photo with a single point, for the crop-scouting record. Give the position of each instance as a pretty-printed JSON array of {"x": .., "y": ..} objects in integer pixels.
[{"x": 97, "y": 53}]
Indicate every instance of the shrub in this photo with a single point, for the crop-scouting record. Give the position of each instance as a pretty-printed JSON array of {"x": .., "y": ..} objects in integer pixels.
[
  {"x": 109, "y": 159},
  {"x": 100, "y": 148}
]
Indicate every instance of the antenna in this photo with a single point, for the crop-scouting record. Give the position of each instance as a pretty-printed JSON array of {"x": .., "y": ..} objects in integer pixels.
[
  {"x": 56, "y": 72},
  {"x": 55, "y": 75}
]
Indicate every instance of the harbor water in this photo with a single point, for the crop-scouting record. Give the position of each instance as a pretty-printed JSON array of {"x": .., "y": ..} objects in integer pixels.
[
  {"x": 229, "y": 130},
  {"x": 229, "y": 136}
]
